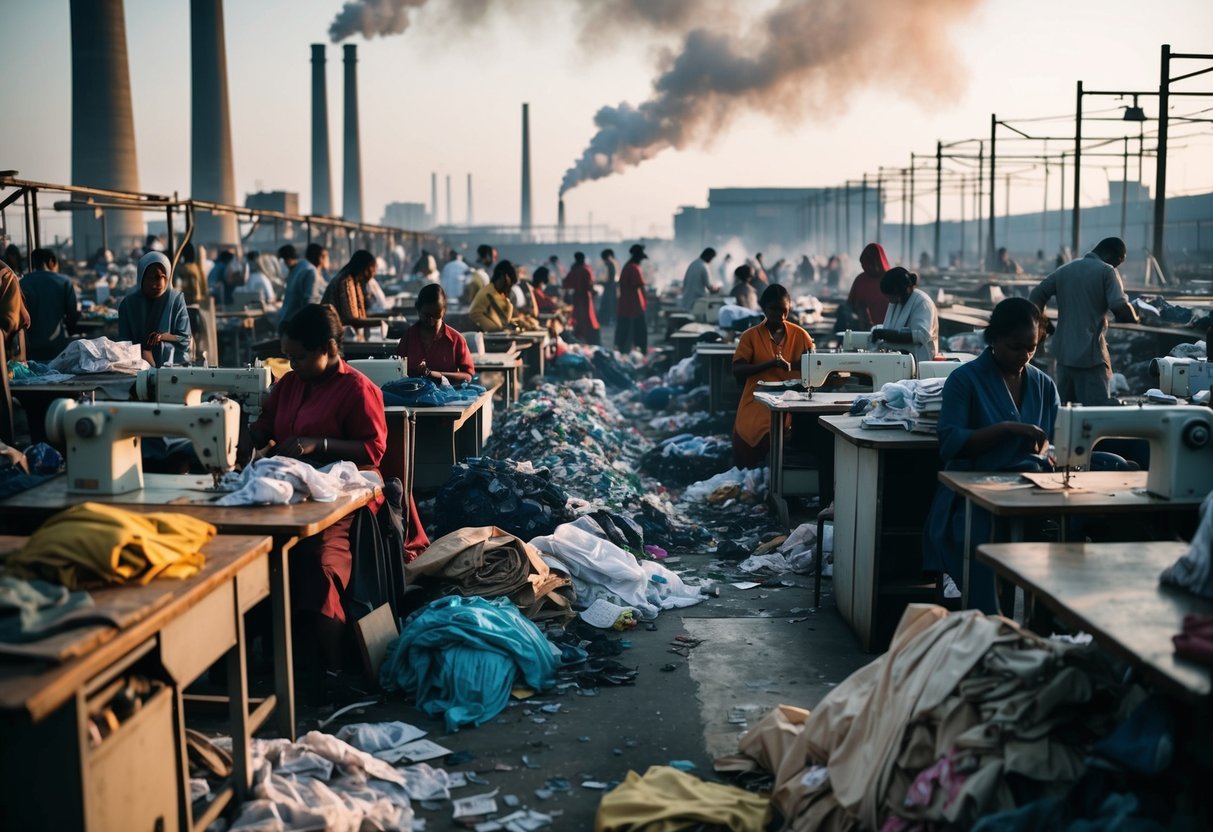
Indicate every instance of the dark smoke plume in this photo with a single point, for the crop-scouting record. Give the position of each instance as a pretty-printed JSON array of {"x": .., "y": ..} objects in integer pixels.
[
  {"x": 802, "y": 56},
  {"x": 372, "y": 18}
]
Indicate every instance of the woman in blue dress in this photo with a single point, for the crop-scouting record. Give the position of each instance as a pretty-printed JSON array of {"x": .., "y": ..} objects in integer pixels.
[
  {"x": 998, "y": 414},
  {"x": 154, "y": 317}
]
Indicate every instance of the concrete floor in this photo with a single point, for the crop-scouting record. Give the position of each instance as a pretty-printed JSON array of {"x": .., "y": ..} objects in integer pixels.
[{"x": 761, "y": 647}]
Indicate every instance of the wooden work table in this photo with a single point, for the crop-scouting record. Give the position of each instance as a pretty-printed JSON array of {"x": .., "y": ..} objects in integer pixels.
[
  {"x": 506, "y": 364},
  {"x": 1111, "y": 590},
  {"x": 443, "y": 437},
  {"x": 187, "y": 494},
  {"x": 884, "y": 481},
  {"x": 528, "y": 343},
  {"x": 171, "y": 630},
  {"x": 1012, "y": 499}
]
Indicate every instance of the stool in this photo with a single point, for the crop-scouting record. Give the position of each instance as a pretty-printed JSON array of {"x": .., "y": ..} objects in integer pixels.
[{"x": 822, "y": 517}]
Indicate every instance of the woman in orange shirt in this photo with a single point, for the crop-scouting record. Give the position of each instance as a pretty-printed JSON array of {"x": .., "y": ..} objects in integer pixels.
[{"x": 769, "y": 351}]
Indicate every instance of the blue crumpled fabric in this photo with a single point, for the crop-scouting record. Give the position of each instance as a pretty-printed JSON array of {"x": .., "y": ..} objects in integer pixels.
[
  {"x": 460, "y": 657},
  {"x": 421, "y": 392}
]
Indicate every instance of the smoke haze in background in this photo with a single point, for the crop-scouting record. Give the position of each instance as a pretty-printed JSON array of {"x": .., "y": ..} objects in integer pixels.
[{"x": 800, "y": 57}]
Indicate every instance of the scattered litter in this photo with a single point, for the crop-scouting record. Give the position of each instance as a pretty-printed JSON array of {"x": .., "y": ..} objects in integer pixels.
[
  {"x": 682, "y": 765},
  {"x": 421, "y": 750},
  {"x": 759, "y": 683},
  {"x": 543, "y": 794},
  {"x": 538, "y": 720},
  {"x": 511, "y": 800},
  {"x": 618, "y": 752},
  {"x": 528, "y": 762},
  {"x": 459, "y": 757},
  {"x": 473, "y": 777},
  {"x": 597, "y": 785},
  {"x": 583, "y": 739},
  {"x": 353, "y": 706},
  {"x": 666, "y": 668},
  {"x": 745, "y": 585},
  {"x": 456, "y": 779},
  {"x": 551, "y": 708},
  {"x": 475, "y": 806},
  {"x": 558, "y": 784}
]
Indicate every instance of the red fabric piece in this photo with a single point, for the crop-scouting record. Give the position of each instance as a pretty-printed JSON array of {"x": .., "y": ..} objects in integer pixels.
[
  {"x": 545, "y": 302},
  {"x": 580, "y": 281},
  {"x": 631, "y": 292},
  {"x": 344, "y": 405},
  {"x": 320, "y": 570},
  {"x": 448, "y": 353},
  {"x": 866, "y": 300},
  {"x": 416, "y": 540}
]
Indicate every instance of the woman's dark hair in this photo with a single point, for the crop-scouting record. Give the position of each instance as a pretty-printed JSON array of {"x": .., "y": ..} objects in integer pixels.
[
  {"x": 772, "y": 295},
  {"x": 314, "y": 326},
  {"x": 1011, "y": 316},
  {"x": 579, "y": 256},
  {"x": 360, "y": 261},
  {"x": 541, "y": 276},
  {"x": 896, "y": 280},
  {"x": 430, "y": 293},
  {"x": 505, "y": 268},
  {"x": 607, "y": 252},
  {"x": 189, "y": 254},
  {"x": 743, "y": 273}
]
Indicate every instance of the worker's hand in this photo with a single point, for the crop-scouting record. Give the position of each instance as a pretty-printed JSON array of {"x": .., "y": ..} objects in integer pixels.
[
  {"x": 154, "y": 339},
  {"x": 15, "y": 457},
  {"x": 296, "y": 447},
  {"x": 1032, "y": 433},
  {"x": 423, "y": 369},
  {"x": 782, "y": 364}
]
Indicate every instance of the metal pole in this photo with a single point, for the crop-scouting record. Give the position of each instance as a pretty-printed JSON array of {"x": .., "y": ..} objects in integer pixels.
[
  {"x": 37, "y": 228},
  {"x": 171, "y": 242},
  {"x": 1124, "y": 189},
  {"x": 847, "y": 211},
  {"x": 1006, "y": 204},
  {"x": 837, "y": 224},
  {"x": 1044, "y": 212},
  {"x": 1160, "y": 175},
  {"x": 1076, "y": 222},
  {"x": 1061, "y": 206},
  {"x": 863, "y": 217},
  {"x": 990, "y": 249},
  {"x": 963, "y": 254},
  {"x": 910, "y": 245},
  {"x": 981, "y": 167},
  {"x": 879, "y": 201},
  {"x": 939, "y": 262}
]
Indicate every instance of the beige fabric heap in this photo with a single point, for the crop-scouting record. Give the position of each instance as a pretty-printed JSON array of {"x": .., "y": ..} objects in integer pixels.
[
  {"x": 489, "y": 562},
  {"x": 928, "y": 732},
  {"x": 667, "y": 800}
]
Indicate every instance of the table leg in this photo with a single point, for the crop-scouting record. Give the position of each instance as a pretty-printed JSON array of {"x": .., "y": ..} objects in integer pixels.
[
  {"x": 775, "y": 488},
  {"x": 237, "y": 706},
  {"x": 967, "y": 554},
  {"x": 284, "y": 672}
]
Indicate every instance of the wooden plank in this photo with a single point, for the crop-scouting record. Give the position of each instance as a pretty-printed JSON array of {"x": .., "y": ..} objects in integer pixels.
[
  {"x": 1094, "y": 492},
  {"x": 1111, "y": 590}
]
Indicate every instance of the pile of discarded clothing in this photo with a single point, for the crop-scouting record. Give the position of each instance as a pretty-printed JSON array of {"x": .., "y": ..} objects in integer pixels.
[
  {"x": 795, "y": 552},
  {"x": 687, "y": 458},
  {"x": 280, "y": 480},
  {"x": 421, "y": 392},
  {"x": 965, "y": 716},
  {"x": 488, "y": 562},
  {"x": 1158, "y": 311},
  {"x": 516, "y": 497}
]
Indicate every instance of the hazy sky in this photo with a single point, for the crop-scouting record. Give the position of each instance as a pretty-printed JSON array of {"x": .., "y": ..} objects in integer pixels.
[{"x": 445, "y": 97}]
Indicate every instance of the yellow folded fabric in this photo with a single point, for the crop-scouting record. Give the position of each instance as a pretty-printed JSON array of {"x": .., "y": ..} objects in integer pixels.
[
  {"x": 667, "y": 800},
  {"x": 95, "y": 544}
]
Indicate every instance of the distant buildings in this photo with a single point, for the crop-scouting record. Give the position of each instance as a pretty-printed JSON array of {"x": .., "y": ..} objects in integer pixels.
[{"x": 411, "y": 216}]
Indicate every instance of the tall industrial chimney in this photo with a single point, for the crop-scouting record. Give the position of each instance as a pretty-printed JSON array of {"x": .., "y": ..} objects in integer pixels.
[
  {"x": 322, "y": 176},
  {"x": 526, "y": 167},
  {"x": 352, "y": 172},
  {"x": 434, "y": 199},
  {"x": 560, "y": 221},
  {"x": 469, "y": 200},
  {"x": 449, "y": 210},
  {"x": 103, "y": 130},
  {"x": 212, "y": 174}
]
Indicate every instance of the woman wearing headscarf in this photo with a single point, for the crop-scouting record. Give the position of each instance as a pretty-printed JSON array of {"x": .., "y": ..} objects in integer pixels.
[
  {"x": 155, "y": 316},
  {"x": 868, "y": 304}
]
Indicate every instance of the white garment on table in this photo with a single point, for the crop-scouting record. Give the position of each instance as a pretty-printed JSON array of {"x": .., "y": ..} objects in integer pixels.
[{"x": 261, "y": 482}]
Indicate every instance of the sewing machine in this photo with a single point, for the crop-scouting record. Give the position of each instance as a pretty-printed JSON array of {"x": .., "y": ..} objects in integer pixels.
[
  {"x": 1182, "y": 376},
  {"x": 943, "y": 367},
  {"x": 102, "y": 440},
  {"x": 705, "y": 308},
  {"x": 1181, "y": 443},
  {"x": 881, "y": 367},
  {"x": 381, "y": 370},
  {"x": 852, "y": 341},
  {"x": 185, "y": 385}
]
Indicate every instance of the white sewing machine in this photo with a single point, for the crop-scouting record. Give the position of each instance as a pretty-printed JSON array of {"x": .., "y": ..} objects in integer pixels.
[
  {"x": 1181, "y": 443},
  {"x": 705, "y": 308},
  {"x": 102, "y": 440},
  {"x": 1182, "y": 376},
  {"x": 881, "y": 367},
  {"x": 185, "y": 385},
  {"x": 381, "y": 370},
  {"x": 942, "y": 368},
  {"x": 853, "y": 340}
]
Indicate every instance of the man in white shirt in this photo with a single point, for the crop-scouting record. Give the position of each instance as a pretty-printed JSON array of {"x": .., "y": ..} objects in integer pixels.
[
  {"x": 454, "y": 273},
  {"x": 697, "y": 282}
]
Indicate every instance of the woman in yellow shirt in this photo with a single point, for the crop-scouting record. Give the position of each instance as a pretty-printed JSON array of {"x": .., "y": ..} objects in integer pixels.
[{"x": 769, "y": 351}]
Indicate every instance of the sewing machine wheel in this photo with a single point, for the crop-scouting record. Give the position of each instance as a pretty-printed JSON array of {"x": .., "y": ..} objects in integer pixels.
[{"x": 1196, "y": 435}]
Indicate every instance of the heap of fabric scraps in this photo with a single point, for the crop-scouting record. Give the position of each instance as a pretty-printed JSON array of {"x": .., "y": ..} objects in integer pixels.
[
  {"x": 514, "y": 496},
  {"x": 910, "y": 404},
  {"x": 99, "y": 355},
  {"x": 687, "y": 458}
]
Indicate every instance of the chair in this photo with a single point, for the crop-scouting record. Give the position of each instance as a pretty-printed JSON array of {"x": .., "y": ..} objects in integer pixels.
[{"x": 822, "y": 517}]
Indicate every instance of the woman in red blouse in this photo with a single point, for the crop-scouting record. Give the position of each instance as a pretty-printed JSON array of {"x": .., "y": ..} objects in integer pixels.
[
  {"x": 432, "y": 348},
  {"x": 322, "y": 411}
]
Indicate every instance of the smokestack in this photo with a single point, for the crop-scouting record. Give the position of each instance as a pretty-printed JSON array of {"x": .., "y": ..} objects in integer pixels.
[
  {"x": 103, "y": 131},
  {"x": 212, "y": 174},
  {"x": 449, "y": 221},
  {"x": 526, "y": 167},
  {"x": 469, "y": 200},
  {"x": 433, "y": 199},
  {"x": 352, "y": 173},
  {"x": 560, "y": 221},
  {"x": 322, "y": 177}
]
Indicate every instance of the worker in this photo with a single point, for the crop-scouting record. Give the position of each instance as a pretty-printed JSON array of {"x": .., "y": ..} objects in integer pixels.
[
  {"x": 997, "y": 415},
  {"x": 1086, "y": 289},
  {"x": 491, "y": 310},
  {"x": 866, "y": 303},
  {"x": 347, "y": 292},
  {"x": 155, "y": 317},
  {"x": 911, "y": 323},
  {"x": 53, "y": 306},
  {"x": 769, "y": 351},
  {"x": 322, "y": 411},
  {"x": 433, "y": 349}
]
